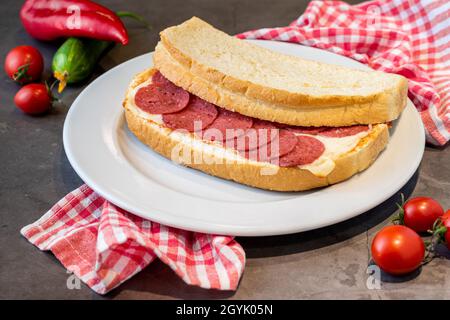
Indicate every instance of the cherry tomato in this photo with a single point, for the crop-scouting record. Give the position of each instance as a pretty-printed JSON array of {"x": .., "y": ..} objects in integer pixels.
[
  {"x": 24, "y": 64},
  {"x": 446, "y": 222},
  {"x": 398, "y": 250},
  {"x": 421, "y": 213},
  {"x": 33, "y": 98}
]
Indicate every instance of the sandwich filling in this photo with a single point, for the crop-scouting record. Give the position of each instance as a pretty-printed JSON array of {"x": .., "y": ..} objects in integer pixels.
[{"x": 310, "y": 148}]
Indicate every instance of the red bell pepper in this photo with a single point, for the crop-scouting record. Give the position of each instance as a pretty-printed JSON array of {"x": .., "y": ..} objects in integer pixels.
[{"x": 52, "y": 19}]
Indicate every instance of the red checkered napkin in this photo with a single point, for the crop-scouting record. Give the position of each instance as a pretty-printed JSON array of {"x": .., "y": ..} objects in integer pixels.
[
  {"x": 104, "y": 245},
  {"x": 407, "y": 37}
]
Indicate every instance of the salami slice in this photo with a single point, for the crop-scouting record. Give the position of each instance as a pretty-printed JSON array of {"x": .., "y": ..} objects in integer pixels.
[
  {"x": 259, "y": 135},
  {"x": 198, "y": 110},
  {"x": 340, "y": 132},
  {"x": 230, "y": 120},
  {"x": 305, "y": 130},
  {"x": 161, "y": 99},
  {"x": 263, "y": 124},
  {"x": 305, "y": 151},
  {"x": 286, "y": 143},
  {"x": 282, "y": 144},
  {"x": 262, "y": 127},
  {"x": 159, "y": 79}
]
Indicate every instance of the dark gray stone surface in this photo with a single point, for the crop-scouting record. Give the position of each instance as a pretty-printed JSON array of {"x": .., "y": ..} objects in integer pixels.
[{"x": 35, "y": 173}]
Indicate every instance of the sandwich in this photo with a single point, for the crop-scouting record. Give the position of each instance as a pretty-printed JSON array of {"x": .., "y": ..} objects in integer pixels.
[{"x": 241, "y": 112}]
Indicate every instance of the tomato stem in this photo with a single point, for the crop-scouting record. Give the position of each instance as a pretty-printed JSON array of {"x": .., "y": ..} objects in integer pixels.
[
  {"x": 437, "y": 236},
  {"x": 50, "y": 91},
  {"x": 21, "y": 73},
  {"x": 400, "y": 217},
  {"x": 53, "y": 84}
]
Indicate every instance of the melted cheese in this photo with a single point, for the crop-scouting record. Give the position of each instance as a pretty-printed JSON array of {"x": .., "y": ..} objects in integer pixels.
[
  {"x": 321, "y": 167},
  {"x": 334, "y": 148}
]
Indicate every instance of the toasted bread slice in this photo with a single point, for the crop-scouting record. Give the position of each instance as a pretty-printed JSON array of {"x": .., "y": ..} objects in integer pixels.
[
  {"x": 253, "y": 173},
  {"x": 260, "y": 83}
]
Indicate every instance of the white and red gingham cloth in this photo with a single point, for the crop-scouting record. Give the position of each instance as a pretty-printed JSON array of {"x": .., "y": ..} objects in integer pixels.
[
  {"x": 407, "y": 37},
  {"x": 104, "y": 245}
]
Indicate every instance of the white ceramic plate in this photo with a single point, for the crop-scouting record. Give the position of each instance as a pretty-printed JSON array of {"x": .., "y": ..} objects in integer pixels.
[{"x": 113, "y": 162}]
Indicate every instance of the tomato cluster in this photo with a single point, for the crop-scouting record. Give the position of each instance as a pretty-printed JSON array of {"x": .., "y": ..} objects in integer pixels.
[
  {"x": 399, "y": 249},
  {"x": 24, "y": 64}
]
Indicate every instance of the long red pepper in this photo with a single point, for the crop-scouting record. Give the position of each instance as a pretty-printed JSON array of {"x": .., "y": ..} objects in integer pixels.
[{"x": 52, "y": 19}]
